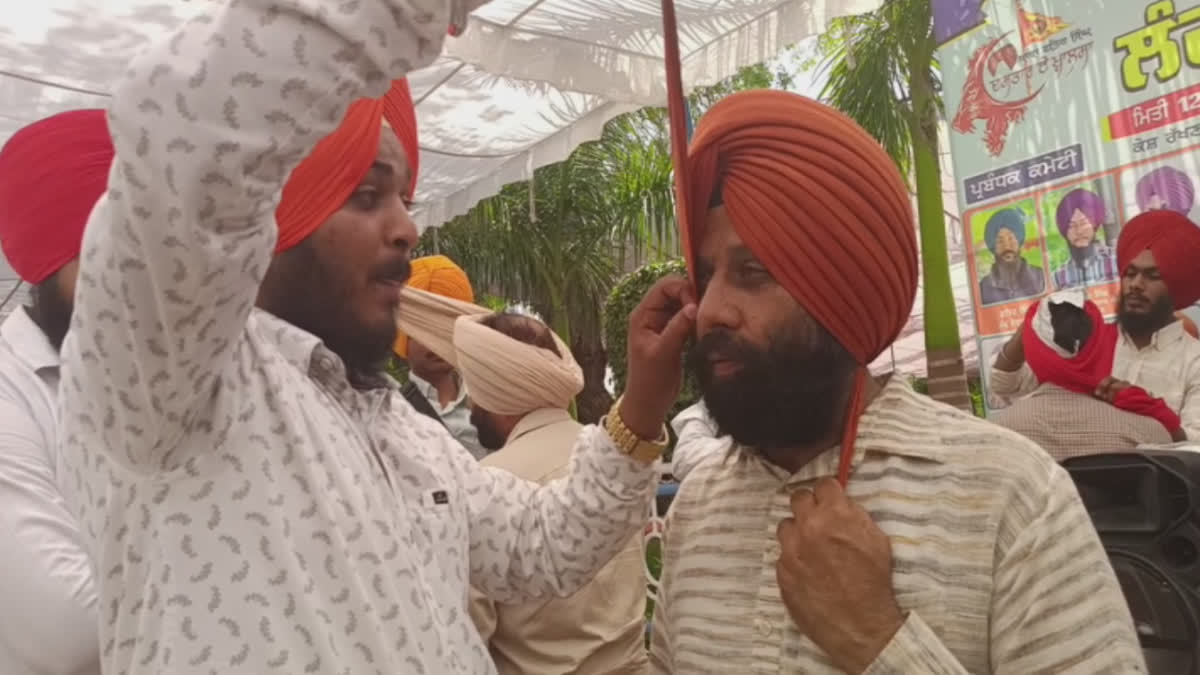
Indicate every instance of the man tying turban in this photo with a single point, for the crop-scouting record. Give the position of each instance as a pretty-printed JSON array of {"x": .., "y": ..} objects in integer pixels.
[
  {"x": 1011, "y": 277},
  {"x": 51, "y": 174},
  {"x": 1156, "y": 254},
  {"x": 1070, "y": 350},
  {"x": 522, "y": 379},
  {"x": 934, "y": 557},
  {"x": 257, "y": 495},
  {"x": 434, "y": 385}
]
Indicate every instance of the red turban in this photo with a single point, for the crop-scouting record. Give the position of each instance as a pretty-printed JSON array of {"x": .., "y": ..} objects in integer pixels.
[
  {"x": 1084, "y": 371},
  {"x": 1175, "y": 242},
  {"x": 52, "y": 173},
  {"x": 822, "y": 206},
  {"x": 324, "y": 180}
]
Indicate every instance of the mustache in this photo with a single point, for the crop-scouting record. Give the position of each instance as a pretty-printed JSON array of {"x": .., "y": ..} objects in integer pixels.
[
  {"x": 718, "y": 345},
  {"x": 398, "y": 270}
]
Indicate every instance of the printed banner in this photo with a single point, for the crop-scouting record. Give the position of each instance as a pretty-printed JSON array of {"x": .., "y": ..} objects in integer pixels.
[{"x": 1067, "y": 118}]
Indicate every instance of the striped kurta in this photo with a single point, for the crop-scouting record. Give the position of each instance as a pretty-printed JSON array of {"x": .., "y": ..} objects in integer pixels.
[{"x": 996, "y": 563}]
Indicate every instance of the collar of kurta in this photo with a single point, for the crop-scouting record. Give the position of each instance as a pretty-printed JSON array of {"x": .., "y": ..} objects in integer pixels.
[
  {"x": 28, "y": 341},
  {"x": 538, "y": 419}
]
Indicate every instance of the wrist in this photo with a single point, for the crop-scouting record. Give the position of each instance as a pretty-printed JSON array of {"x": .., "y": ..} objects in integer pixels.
[
  {"x": 865, "y": 647},
  {"x": 643, "y": 420}
]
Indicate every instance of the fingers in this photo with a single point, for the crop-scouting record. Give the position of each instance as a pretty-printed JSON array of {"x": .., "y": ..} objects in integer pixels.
[
  {"x": 784, "y": 528},
  {"x": 663, "y": 301},
  {"x": 679, "y": 329},
  {"x": 828, "y": 491},
  {"x": 803, "y": 502}
]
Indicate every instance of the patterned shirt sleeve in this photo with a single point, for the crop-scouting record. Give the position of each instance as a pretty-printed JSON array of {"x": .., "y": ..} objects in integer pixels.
[
  {"x": 207, "y": 125},
  {"x": 529, "y": 540},
  {"x": 1189, "y": 412}
]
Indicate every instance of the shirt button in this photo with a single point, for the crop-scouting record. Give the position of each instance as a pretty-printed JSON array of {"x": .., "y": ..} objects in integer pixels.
[{"x": 764, "y": 627}]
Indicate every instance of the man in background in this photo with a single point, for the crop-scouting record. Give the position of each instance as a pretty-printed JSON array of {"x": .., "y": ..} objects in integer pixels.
[
  {"x": 1080, "y": 218},
  {"x": 51, "y": 174},
  {"x": 1069, "y": 349},
  {"x": 1156, "y": 254},
  {"x": 430, "y": 377},
  {"x": 522, "y": 379},
  {"x": 1011, "y": 278}
]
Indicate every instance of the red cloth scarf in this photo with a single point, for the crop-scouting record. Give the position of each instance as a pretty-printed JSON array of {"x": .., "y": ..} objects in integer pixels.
[
  {"x": 1084, "y": 372},
  {"x": 52, "y": 173}
]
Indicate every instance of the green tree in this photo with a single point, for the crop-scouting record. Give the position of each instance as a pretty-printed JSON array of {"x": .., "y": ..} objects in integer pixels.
[{"x": 882, "y": 73}]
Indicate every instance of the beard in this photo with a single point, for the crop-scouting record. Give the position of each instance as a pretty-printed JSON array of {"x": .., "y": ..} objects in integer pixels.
[
  {"x": 790, "y": 394},
  {"x": 316, "y": 298},
  {"x": 51, "y": 311},
  {"x": 1160, "y": 314},
  {"x": 490, "y": 435}
]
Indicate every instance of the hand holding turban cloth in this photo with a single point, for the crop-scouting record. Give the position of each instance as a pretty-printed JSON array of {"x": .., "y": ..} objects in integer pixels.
[
  {"x": 326, "y": 178},
  {"x": 502, "y": 375},
  {"x": 1081, "y": 370},
  {"x": 439, "y": 275},
  {"x": 52, "y": 173},
  {"x": 822, "y": 206},
  {"x": 1175, "y": 242}
]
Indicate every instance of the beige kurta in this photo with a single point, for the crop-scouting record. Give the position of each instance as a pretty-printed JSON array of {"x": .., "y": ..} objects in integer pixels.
[
  {"x": 600, "y": 629},
  {"x": 996, "y": 562}
]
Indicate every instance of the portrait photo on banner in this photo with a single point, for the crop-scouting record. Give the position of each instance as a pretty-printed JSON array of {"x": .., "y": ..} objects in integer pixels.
[
  {"x": 1166, "y": 184},
  {"x": 1008, "y": 253},
  {"x": 1082, "y": 224}
]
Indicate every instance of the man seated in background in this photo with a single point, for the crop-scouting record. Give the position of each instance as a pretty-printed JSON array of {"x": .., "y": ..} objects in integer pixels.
[
  {"x": 1156, "y": 255},
  {"x": 1069, "y": 348},
  {"x": 696, "y": 439},
  {"x": 51, "y": 174},
  {"x": 434, "y": 387},
  {"x": 522, "y": 379}
]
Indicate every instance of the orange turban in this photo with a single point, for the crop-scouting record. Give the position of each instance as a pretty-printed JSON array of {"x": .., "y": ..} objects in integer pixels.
[
  {"x": 52, "y": 173},
  {"x": 821, "y": 205},
  {"x": 1175, "y": 242},
  {"x": 324, "y": 180},
  {"x": 439, "y": 275}
]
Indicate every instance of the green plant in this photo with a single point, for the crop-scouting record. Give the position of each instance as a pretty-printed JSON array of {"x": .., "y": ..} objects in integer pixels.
[{"x": 621, "y": 301}]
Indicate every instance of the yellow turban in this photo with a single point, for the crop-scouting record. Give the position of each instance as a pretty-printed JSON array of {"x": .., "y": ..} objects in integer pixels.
[{"x": 439, "y": 275}]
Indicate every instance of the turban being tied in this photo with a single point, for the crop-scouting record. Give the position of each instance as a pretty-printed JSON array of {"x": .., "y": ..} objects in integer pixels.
[
  {"x": 326, "y": 178},
  {"x": 1081, "y": 370},
  {"x": 52, "y": 173},
  {"x": 1175, "y": 242},
  {"x": 822, "y": 206},
  {"x": 502, "y": 375},
  {"x": 439, "y": 275}
]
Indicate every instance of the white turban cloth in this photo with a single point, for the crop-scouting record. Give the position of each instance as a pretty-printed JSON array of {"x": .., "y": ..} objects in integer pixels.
[{"x": 502, "y": 375}]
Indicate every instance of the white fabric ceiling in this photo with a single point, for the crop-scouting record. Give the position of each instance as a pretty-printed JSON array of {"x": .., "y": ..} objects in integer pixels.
[{"x": 528, "y": 82}]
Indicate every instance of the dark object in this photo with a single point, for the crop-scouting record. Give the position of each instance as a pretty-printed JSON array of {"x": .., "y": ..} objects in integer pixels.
[
  {"x": 440, "y": 497},
  {"x": 1146, "y": 507},
  {"x": 417, "y": 400}
]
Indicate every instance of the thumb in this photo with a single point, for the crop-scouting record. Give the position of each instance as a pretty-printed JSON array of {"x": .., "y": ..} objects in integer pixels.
[{"x": 678, "y": 329}]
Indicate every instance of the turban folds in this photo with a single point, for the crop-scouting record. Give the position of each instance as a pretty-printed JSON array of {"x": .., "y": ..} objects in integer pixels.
[
  {"x": 326, "y": 178},
  {"x": 52, "y": 173},
  {"x": 439, "y": 275},
  {"x": 502, "y": 375},
  {"x": 821, "y": 205},
  {"x": 1175, "y": 242},
  {"x": 1083, "y": 370}
]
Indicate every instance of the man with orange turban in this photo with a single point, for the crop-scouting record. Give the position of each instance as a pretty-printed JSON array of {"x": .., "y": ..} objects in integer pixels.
[
  {"x": 855, "y": 526},
  {"x": 51, "y": 174},
  {"x": 434, "y": 385},
  {"x": 257, "y": 495},
  {"x": 1156, "y": 254}
]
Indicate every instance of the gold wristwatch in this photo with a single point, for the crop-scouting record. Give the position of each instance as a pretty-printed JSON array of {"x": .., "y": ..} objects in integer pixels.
[{"x": 629, "y": 442}]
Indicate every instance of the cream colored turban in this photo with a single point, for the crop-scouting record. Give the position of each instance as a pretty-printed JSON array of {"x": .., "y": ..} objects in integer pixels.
[{"x": 502, "y": 375}]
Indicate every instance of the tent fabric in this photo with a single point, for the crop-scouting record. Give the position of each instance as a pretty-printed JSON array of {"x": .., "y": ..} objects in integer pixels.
[{"x": 525, "y": 83}]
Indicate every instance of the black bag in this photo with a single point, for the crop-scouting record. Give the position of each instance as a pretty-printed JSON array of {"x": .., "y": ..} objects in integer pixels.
[{"x": 1146, "y": 508}]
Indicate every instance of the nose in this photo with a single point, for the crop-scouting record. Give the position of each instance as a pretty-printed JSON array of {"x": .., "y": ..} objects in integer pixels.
[
  {"x": 399, "y": 230},
  {"x": 717, "y": 308}
]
